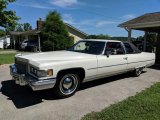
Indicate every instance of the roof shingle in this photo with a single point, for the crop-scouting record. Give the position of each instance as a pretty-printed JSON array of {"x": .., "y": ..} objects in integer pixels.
[{"x": 144, "y": 19}]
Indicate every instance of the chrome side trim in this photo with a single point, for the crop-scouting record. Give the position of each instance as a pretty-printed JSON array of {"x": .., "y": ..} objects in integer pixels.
[{"x": 121, "y": 64}]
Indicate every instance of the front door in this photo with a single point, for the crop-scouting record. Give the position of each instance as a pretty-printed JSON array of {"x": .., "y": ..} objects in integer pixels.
[{"x": 115, "y": 63}]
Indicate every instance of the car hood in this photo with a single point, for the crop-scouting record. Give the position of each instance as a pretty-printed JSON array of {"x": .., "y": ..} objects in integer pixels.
[{"x": 45, "y": 58}]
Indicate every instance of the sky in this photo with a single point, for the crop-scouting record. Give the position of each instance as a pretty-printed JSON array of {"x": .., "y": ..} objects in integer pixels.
[{"x": 89, "y": 16}]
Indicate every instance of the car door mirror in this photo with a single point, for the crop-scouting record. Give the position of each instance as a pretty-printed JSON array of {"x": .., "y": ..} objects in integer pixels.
[{"x": 107, "y": 53}]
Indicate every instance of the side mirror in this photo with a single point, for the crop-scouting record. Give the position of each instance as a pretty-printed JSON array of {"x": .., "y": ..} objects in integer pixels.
[{"x": 107, "y": 53}]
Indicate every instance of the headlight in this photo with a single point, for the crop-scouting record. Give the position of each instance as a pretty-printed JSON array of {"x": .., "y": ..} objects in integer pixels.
[{"x": 41, "y": 73}]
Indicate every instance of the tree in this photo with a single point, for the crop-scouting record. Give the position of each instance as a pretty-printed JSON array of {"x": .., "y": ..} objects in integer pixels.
[
  {"x": 8, "y": 18},
  {"x": 19, "y": 28},
  {"x": 151, "y": 38},
  {"x": 54, "y": 34},
  {"x": 140, "y": 38},
  {"x": 2, "y": 33},
  {"x": 23, "y": 27},
  {"x": 100, "y": 36},
  {"x": 27, "y": 26},
  {"x": 122, "y": 38},
  {"x": 103, "y": 36}
]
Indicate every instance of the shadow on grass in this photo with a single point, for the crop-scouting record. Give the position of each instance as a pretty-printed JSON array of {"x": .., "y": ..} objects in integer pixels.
[{"x": 24, "y": 97}]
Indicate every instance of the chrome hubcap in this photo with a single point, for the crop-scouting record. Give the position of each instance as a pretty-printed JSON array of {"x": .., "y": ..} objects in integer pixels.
[
  {"x": 68, "y": 84},
  {"x": 139, "y": 71}
]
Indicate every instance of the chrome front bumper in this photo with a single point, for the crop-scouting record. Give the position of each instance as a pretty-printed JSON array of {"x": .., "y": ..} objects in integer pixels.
[{"x": 35, "y": 84}]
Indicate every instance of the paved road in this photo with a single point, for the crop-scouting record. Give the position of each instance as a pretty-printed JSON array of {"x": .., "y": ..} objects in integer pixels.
[{"x": 20, "y": 103}]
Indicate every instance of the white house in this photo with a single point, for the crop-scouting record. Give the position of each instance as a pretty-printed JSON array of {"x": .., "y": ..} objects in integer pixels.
[
  {"x": 5, "y": 42},
  {"x": 1, "y": 44},
  {"x": 75, "y": 33}
]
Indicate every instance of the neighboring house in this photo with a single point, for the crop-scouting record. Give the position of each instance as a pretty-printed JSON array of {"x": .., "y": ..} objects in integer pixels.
[
  {"x": 74, "y": 32},
  {"x": 1, "y": 44},
  {"x": 18, "y": 37},
  {"x": 5, "y": 42}
]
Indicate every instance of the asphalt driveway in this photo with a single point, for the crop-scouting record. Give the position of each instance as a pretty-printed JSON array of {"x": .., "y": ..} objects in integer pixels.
[{"x": 21, "y": 103}]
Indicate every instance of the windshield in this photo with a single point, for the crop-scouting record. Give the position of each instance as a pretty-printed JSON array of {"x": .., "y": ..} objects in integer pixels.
[{"x": 89, "y": 47}]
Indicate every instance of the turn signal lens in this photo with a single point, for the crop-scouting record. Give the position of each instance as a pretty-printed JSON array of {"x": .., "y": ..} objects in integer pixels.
[{"x": 50, "y": 72}]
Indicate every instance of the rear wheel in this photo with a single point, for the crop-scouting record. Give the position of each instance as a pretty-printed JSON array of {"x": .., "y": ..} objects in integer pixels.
[
  {"x": 67, "y": 84},
  {"x": 137, "y": 71}
]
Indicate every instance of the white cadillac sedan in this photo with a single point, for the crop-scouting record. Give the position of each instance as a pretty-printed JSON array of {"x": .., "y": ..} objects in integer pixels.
[{"x": 87, "y": 60}]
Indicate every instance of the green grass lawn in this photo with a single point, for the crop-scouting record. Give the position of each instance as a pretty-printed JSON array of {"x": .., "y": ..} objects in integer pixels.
[
  {"x": 143, "y": 106},
  {"x": 7, "y": 58},
  {"x": 7, "y": 55}
]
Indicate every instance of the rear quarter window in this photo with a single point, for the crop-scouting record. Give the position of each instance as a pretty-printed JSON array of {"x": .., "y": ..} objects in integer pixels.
[{"x": 130, "y": 48}]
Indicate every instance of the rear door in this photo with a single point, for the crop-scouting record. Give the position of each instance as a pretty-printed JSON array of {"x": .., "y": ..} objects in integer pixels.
[
  {"x": 135, "y": 57},
  {"x": 116, "y": 62}
]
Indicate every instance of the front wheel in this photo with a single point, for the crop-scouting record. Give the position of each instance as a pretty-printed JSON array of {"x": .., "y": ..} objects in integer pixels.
[{"x": 67, "y": 84}]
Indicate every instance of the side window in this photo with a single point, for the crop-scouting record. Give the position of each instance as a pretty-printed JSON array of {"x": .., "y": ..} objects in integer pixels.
[
  {"x": 80, "y": 47},
  {"x": 131, "y": 49},
  {"x": 115, "y": 48},
  {"x": 136, "y": 50}
]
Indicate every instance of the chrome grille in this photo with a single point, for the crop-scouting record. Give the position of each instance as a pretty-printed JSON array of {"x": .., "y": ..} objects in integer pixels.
[{"x": 21, "y": 67}]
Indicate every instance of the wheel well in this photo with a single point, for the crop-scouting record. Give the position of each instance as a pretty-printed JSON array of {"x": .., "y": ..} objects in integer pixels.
[{"x": 79, "y": 71}]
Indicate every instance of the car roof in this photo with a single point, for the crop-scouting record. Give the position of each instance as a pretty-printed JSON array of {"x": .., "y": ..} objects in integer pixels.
[{"x": 101, "y": 40}]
